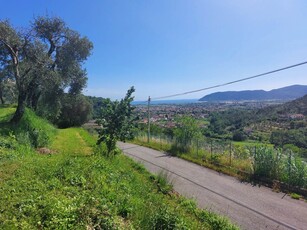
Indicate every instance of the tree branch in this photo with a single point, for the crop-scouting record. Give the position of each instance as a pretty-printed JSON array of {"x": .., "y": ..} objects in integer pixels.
[
  {"x": 12, "y": 52},
  {"x": 26, "y": 72}
]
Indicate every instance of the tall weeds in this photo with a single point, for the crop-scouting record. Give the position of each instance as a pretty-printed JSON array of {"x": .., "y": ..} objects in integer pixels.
[{"x": 256, "y": 162}]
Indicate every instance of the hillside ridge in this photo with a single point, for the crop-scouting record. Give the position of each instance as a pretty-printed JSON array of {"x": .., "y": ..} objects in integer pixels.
[{"x": 286, "y": 93}]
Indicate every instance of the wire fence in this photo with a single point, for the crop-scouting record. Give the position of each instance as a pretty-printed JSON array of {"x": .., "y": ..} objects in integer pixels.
[{"x": 254, "y": 160}]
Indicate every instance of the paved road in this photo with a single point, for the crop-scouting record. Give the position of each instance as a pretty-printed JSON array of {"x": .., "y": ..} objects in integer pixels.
[{"x": 250, "y": 207}]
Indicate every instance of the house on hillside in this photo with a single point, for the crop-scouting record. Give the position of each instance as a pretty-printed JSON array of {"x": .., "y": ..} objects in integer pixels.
[{"x": 296, "y": 116}]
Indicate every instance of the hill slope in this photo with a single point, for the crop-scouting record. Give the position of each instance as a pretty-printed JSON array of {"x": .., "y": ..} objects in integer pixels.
[
  {"x": 286, "y": 93},
  {"x": 73, "y": 188},
  {"x": 297, "y": 106}
]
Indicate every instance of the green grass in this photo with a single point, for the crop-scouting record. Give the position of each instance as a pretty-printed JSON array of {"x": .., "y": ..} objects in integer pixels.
[
  {"x": 251, "y": 144},
  {"x": 31, "y": 130},
  {"x": 6, "y": 113},
  {"x": 247, "y": 161},
  {"x": 219, "y": 162},
  {"x": 295, "y": 196},
  {"x": 73, "y": 188}
]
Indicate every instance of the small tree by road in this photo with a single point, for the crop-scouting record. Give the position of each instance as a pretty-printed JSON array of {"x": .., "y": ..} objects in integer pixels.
[
  {"x": 116, "y": 121},
  {"x": 187, "y": 130}
]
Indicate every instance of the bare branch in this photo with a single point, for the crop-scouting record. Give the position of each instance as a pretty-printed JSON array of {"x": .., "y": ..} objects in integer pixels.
[{"x": 13, "y": 53}]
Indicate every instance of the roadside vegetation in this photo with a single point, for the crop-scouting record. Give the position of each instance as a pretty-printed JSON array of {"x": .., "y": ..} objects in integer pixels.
[
  {"x": 248, "y": 160},
  {"x": 74, "y": 186},
  {"x": 266, "y": 145}
]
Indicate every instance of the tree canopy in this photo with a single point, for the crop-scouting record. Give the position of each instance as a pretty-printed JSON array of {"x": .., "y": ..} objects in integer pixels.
[{"x": 43, "y": 60}]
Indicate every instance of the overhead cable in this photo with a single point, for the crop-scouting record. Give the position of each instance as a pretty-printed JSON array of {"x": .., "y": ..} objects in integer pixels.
[{"x": 231, "y": 82}]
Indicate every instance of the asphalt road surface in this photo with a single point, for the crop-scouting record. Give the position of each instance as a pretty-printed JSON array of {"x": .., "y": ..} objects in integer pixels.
[{"x": 248, "y": 206}]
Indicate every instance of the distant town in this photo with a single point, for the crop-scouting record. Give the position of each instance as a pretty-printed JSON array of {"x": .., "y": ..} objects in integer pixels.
[{"x": 164, "y": 114}]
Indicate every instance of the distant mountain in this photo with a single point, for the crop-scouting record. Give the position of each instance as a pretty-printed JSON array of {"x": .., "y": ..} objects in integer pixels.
[{"x": 286, "y": 93}]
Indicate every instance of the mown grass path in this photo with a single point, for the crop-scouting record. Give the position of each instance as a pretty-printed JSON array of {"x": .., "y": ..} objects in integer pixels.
[
  {"x": 71, "y": 142},
  {"x": 73, "y": 188}
]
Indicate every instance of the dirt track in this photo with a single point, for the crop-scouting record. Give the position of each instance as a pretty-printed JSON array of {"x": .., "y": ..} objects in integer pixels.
[{"x": 250, "y": 207}]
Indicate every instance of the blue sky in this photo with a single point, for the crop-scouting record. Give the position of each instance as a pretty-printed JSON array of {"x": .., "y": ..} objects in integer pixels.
[{"x": 165, "y": 47}]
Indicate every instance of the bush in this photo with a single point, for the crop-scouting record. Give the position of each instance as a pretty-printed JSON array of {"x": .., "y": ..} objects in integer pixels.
[
  {"x": 215, "y": 222},
  {"x": 166, "y": 219},
  {"x": 164, "y": 183},
  {"x": 102, "y": 149},
  {"x": 33, "y": 130},
  {"x": 295, "y": 171},
  {"x": 267, "y": 163},
  {"x": 75, "y": 111},
  {"x": 239, "y": 136}
]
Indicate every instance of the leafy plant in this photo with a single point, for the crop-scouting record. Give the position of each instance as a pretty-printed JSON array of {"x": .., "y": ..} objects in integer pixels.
[
  {"x": 295, "y": 196},
  {"x": 187, "y": 130},
  {"x": 166, "y": 219},
  {"x": 163, "y": 182},
  {"x": 116, "y": 121}
]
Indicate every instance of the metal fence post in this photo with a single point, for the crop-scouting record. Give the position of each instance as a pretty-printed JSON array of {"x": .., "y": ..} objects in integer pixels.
[
  {"x": 197, "y": 146},
  {"x": 211, "y": 150},
  {"x": 230, "y": 153},
  {"x": 289, "y": 168},
  {"x": 160, "y": 141}
]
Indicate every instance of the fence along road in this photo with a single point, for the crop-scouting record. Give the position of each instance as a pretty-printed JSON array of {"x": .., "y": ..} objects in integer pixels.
[{"x": 250, "y": 207}]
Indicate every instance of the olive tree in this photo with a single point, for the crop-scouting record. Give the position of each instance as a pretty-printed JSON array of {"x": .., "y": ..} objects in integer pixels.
[{"x": 46, "y": 56}]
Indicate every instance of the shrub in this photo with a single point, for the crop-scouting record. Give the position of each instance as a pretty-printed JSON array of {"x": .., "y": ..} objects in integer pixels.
[
  {"x": 164, "y": 183},
  {"x": 267, "y": 162},
  {"x": 215, "y": 222},
  {"x": 166, "y": 219},
  {"x": 33, "y": 130},
  {"x": 295, "y": 171},
  {"x": 75, "y": 111},
  {"x": 239, "y": 136},
  {"x": 295, "y": 196}
]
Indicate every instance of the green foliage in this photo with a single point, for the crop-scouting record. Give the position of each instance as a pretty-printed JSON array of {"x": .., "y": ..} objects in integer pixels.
[
  {"x": 228, "y": 122},
  {"x": 248, "y": 160},
  {"x": 163, "y": 182},
  {"x": 239, "y": 136},
  {"x": 295, "y": 137},
  {"x": 273, "y": 164},
  {"x": 75, "y": 111},
  {"x": 75, "y": 189},
  {"x": 97, "y": 103},
  {"x": 166, "y": 219},
  {"x": 8, "y": 93},
  {"x": 30, "y": 131},
  {"x": 33, "y": 129},
  {"x": 295, "y": 171},
  {"x": 187, "y": 131},
  {"x": 295, "y": 196},
  {"x": 116, "y": 121},
  {"x": 215, "y": 222},
  {"x": 6, "y": 113},
  {"x": 266, "y": 162},
  {"x": 43, "y": 61}
]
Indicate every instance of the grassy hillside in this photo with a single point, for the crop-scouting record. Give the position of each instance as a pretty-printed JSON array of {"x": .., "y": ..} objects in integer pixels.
[{"x": 71, "y": 187}]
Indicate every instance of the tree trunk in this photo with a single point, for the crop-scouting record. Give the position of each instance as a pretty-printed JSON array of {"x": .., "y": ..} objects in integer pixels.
[
  {"x": 34, "y": 101},
  {"x": 20, "y": 107},
  {"x": 1, "y": 97}
]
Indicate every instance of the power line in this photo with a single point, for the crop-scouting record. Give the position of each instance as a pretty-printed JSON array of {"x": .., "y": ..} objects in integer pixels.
[
  {"x": 212, "y": 87},
  {"x": 231, "y": 82}
]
